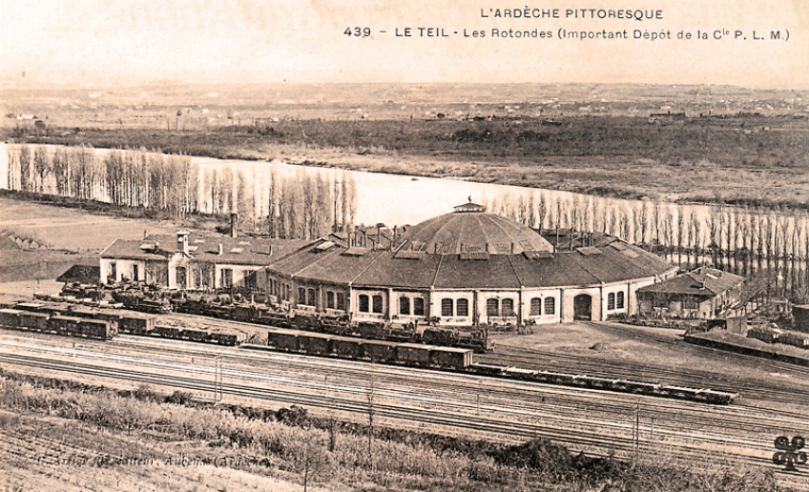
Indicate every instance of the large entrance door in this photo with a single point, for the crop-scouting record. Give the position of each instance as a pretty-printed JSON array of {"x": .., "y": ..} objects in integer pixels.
[
  {"x": 182, "y": 278},
  {"x": 582, "y": 307}
]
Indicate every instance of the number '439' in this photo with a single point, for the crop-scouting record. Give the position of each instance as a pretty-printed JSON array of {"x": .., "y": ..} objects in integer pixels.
[{"x": 360, "y": 32}]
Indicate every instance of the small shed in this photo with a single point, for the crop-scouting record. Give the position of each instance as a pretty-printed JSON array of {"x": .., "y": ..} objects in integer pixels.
[
  {"x": 800, "y": 316},
  {"x": 81, "y": 274}
]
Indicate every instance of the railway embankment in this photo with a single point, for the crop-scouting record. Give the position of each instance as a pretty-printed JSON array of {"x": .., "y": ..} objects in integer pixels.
[
  {"x": 139, "y": 434},
  {"x": 726, "y": 341}
]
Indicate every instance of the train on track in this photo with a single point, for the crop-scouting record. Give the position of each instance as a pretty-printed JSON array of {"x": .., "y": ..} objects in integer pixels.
[
  {"x": 99, "y": 324},
  {"x": 232, "y": 306},
  {"x": 104, "y": 324},
  {"x": 456, "y": 359}
]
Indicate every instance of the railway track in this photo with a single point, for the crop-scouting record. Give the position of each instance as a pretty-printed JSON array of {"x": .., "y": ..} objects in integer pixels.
[
  {"x": 588, "y": 420},
  {"x": 507, "y": 394},
  {"x": 755, "y": 390}
]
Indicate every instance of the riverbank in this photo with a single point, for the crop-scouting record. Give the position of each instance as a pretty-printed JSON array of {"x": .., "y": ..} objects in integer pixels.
[{"x": 757, "y": 161}]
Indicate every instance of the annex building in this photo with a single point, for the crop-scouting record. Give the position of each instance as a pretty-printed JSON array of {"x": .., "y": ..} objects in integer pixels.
[
  {"x": 468, "y": 267},
  {"x": 704, "y": 293},
  {"x": 191, "y": 261}
]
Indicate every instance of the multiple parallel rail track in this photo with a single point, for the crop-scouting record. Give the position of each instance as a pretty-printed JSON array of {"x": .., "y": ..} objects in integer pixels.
[{"x": 592, "y": 421}]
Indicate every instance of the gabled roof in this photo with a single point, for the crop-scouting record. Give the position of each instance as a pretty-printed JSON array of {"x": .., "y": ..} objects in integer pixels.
[{"x": 703, "y": 282}]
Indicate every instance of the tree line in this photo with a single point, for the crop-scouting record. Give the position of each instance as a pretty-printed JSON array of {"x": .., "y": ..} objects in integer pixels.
[
  {"x": 283, "y": 205},
  {"x": 743, "y": 240}
]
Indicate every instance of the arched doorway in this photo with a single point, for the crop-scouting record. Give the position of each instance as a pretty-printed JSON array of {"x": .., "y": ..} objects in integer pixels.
[{"x": 582, "y": 307}]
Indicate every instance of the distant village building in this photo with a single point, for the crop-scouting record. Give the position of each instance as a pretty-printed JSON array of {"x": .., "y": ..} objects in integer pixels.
[{"x": 703, "y": 293}]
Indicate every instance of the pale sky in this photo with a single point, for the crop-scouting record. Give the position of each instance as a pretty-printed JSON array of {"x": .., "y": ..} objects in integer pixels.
[{"x": 255, "y": 41}]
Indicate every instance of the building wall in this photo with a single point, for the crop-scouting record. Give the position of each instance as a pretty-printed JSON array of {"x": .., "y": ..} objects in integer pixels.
[
  {"x": 370, "y": 315},
  {"x": 123, "y": 268},
  {"x": 411, "y": 295},
  {"x": 568, "y": 309},
  {"x": 239, "y": 274}
]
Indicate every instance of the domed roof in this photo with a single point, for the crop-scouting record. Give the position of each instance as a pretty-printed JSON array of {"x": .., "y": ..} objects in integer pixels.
[{"x": 471, "y": 230}]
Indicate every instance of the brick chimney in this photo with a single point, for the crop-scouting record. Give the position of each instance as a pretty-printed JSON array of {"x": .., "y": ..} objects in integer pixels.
[
  {"x": 182, "y": 242},
  {"x": 234, "y": 219}
]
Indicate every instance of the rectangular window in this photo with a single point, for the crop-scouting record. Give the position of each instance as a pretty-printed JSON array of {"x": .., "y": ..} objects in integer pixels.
[
  {"x": 250, "y": 280},
  {"x": 364, "y": 306},
  {"x": 462, "y": 307},
  {"x": 536, "y": 306},
  {"x": 113, "y": 277},
  {"x": 446, "y": 308},
  {"x": 508, "y": 307},
  {"x": 418, "y": 306},
  {"x": 404, "y": 305},
  {"x": 492, "y": 307},
  {"x": 619, "y": 300},
  {"x": 610, "y": 301},
  {"x": 227, "y": 278},
  {"x": 377, "y": 304},
  {"x": 301, "y": 295},
  {"x": 330, "y": 300},
  {"x": 135, "y": 273},
  {"x": 341, "y": 301},
  {"x": 550, "y": 306}
]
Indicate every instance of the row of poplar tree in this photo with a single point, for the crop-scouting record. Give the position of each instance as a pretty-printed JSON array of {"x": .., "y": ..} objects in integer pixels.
[{"x": 286, "y": 205}]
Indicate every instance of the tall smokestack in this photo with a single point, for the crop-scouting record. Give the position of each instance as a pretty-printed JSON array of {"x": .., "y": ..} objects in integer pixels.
[{"x": 234, "y": 219}]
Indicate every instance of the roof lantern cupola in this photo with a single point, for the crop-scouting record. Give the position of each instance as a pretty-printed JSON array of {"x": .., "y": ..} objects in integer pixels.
[{"x": 469, "y": 207}]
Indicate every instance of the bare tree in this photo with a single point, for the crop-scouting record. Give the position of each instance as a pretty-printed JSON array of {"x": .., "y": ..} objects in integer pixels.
[
  {"x": 542, "y": 211},
  {"x": 26, "y": 178}
]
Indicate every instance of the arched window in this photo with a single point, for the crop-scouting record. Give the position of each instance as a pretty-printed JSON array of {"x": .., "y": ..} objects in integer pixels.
[
  {"x": 492, "y": 307},
  {"x": 404, "y": 305},
  {"x": 330, "y": 300},
  {"x": 446, "y": 308},
  {"x": 364, "y": 306},
  {"x": 462, "y": 307},
  {"x": 550, "y": 306},
  {"x": 301, "y": 295},
  {"x": 610, "y": 301},
  {"x": 619, "y": 300},
  {"x": 508, "y": 307},
  {"x": 341, "y": 301},
  {"x": 536, "y": 306},
  {"x": 310, "y": 297},
  {"x": 418, "y": 306},
  {"x": 377, "y": 304}
]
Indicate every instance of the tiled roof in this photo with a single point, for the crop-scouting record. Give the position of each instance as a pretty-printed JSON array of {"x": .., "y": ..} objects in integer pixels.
[
  {"x": 377, "y": 268},
  {"x": 471, "y": 231},
  {"x": 704, "y": 281},
  {"x": 235, "y": 251}
]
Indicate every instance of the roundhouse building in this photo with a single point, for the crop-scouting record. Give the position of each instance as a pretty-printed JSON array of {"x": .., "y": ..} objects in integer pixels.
[{"x": 465, "y": 268}]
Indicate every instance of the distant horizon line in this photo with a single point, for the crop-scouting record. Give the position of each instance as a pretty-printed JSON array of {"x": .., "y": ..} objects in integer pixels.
[{"x": 15, "y": 84}]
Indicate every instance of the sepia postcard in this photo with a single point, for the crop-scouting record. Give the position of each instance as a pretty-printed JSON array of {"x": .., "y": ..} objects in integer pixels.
[{"x": 389, "y": 246}]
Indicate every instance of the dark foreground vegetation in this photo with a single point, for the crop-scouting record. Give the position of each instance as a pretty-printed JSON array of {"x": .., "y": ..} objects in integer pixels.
[
  {"x": 742, "y": 159},
  {"x": 292, "y": 445}
]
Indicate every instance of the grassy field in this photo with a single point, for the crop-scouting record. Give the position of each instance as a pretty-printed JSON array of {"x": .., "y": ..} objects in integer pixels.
[
  {"x": 68, "y": 436},
  {"x": 743, "y": 159}
]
